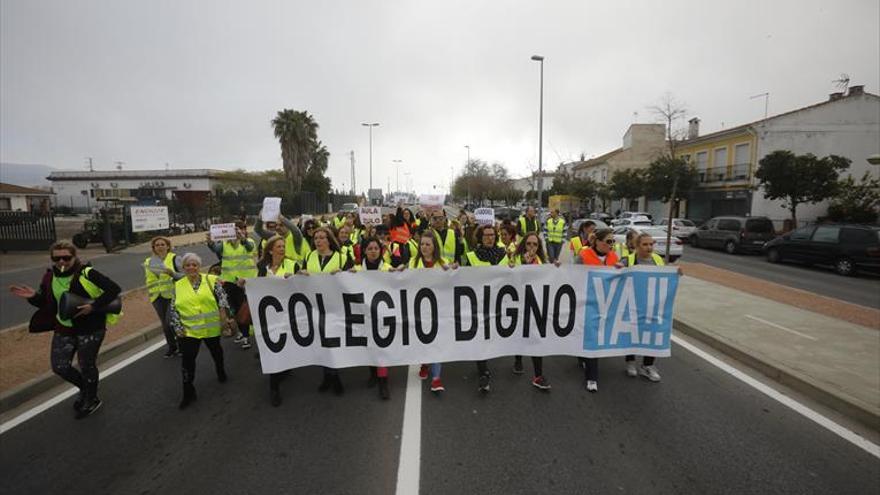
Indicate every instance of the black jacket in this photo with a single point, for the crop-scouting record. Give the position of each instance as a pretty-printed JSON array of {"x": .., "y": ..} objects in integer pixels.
[{"x": 48, "y": 308}]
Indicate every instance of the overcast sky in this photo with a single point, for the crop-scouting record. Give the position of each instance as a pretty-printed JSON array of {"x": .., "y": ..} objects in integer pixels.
[{"x": 195, "y": 84}]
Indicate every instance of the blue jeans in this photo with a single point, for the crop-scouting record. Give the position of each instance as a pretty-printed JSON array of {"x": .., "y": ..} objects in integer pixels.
[
  {"x": 553, "y": 250},
  {"x": 435, "y": 370}
]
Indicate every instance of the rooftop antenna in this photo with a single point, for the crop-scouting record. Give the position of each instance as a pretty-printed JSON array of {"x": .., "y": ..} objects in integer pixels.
[
  {"x": 635, "y": 117},
  {"x": 842, "y": 82},
  {"x": 91, "y": 167},
  {"x": 119, "y": 165},
  {"x": 766, "y": 101}
]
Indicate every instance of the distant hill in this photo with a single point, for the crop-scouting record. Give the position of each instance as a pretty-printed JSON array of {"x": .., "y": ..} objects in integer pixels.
[{"x": 29, "y": 175}]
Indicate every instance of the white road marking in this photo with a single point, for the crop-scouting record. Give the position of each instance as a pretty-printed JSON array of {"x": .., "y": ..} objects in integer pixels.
[
  {"x": 770, "y": 323},
  {"x": 841, "y": 431},
  {"x": 70, "y": 391},
  {"x": 411, "y": 436}
]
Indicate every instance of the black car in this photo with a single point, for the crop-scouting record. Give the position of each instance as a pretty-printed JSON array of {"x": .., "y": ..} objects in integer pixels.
[
  {"x": 846, "y": 247},
  {"x": 734, "y": 234}
]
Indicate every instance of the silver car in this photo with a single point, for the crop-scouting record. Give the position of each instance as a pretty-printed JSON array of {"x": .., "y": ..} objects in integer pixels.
[{"x": 659, "y": 235}]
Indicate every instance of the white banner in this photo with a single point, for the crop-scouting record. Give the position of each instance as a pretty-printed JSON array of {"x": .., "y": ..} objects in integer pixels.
[
  {"x": 431, "y": 200},
  {"x": 144, "y": 218},
  {"x": 223, "y": 232},
  {"x": 485, "y": 216},
  {"x": 425, "y": 316},
  {"x": 370, "y": 215},
  {"x": 271, "y": 209}
]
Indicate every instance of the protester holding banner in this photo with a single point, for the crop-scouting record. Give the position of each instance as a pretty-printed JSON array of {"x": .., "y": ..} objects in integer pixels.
[
  {"x": 486, "y": 253},
  {"x": 346, "y": 247},
  {"x": 308, "y": 230},
  {"x": 530, "y": 252},
  {"x": 623, "y": 249},
  {"x": 327, "y": 259},
  {"x": 80, "y": 332},
  {"x": 599, "y": 253},
  {"x": 237, "y": 261},
  {"x": 507, "y": 233},
  {"x": 199, "y": 314},
  {"x": 583, "y": 238},
  {"x": 161, "y": 269},
  {"x": 451, "y": 248}
]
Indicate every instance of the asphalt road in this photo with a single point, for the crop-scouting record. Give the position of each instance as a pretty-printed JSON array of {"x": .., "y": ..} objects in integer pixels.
[
  {"x": 124, "y": 268},
  {"x": 863, "y": 289},
  {"x": 699, "y": 431}
]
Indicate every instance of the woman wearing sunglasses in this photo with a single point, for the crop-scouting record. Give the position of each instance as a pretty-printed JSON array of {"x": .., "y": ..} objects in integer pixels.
[
  {"x": 599, "y": 253},
  {"x": 81, "y": 334}
]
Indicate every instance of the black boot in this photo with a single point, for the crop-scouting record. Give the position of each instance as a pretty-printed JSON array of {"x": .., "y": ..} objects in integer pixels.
[
  {"x": 326, "y": 383},
  {"x": 371, "y": 382},
  {"x": 383, "y": 388},
  {"x": 221, "y": 375},
  {"x": 275, "y": 398},
  {"x": 189, "y": 395}
]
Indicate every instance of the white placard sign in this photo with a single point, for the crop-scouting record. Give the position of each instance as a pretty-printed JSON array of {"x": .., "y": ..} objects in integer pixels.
[
  {"x": 144, "y": 218},
  {"x": 223, "y": 232},
  {"x": 376, "y": 318},
  {"x": 427, "y": 201},
  {"x": 271, "y": 209},
  {"x": 370, "y": 215},
  {"x": 485, "y": 216}
]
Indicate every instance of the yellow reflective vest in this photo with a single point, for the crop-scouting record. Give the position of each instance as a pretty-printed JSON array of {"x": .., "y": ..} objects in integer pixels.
[
  {"x": 288, "y": 266},
  {"x": 313, "y": 263},
  {"x": 91, "y": 289},
  {"x": 237, "y": 262},
  {"x": 198, "y": 310},
  {"x": 474, "y": 261},
  {"x": 555, "y": 230},
  {"x": 447, "y": 246},
  {"x": 160, "y": 285},
  {"x": 631, "y": 259}
]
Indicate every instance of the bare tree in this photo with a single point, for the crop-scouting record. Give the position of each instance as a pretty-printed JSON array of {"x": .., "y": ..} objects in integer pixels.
[{"x": 670, "y": 111}]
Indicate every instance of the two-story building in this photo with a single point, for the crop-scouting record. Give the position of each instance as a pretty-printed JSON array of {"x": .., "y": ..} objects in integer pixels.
[{"x": 845, "y": 125}]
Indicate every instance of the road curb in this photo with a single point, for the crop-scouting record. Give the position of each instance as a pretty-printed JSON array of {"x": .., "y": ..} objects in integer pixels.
[
  {"x": 802, "y": 384},
  {"x": 17, "y": 396}
]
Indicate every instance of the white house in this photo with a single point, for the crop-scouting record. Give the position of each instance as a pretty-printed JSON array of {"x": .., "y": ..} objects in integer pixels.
[{"x": 20, "y": 198}]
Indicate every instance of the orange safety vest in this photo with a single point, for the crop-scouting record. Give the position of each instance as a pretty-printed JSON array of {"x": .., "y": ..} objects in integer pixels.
[{"x": 589, "y": 257}]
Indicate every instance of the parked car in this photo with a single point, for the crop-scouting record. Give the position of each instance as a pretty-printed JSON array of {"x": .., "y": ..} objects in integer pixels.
[
  {"x": 630, "y": 214},
  {"x": 508, "y": 213},
  {"x": 576, "y": 225},
  {"x": 632, "y": 222},
  {"x": 846, "y": 247},
  {"x": 734, "y": 234},
  {"x": 598, "y": 215},
  {"x": 681, "y": 227},
  {"x": 676, "y": 250},
  {"x": 349, "y": 208}
]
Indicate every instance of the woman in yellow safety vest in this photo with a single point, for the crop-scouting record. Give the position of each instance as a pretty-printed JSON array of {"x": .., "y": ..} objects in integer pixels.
[
  {"x": 199, "y": 314},
  {"x": 82, "y": 333},
  {"x": 582, "y": 239},
  {"x": 643, "y": 254},
  {"x": 623, "y": 249},
  {"x": 327, "y": 259},
  {"x": 429, "y": 256},
  {"x": 161, "y": 269},
  {"x": 530, "y": 252},
  {"x": 507, "y": 233},
  {"x": 372, "y": 259},
  {"x": 237, "y": 261},
  {"x": 486, "y": 253},
  {"x": 346, "y": 246},
  {"x": 275, "y": 263}
]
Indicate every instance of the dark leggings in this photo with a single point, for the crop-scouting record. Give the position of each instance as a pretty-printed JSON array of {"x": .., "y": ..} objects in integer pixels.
[
  {"x": 190, "y": 348},
  {"x": 646, "y": 360},
  {"x": 275, "y": 380},
  {"x": 86, "y": 347},
  {"x": 537, "y": 363},
  {"x": 591, "y": 368},
  {"x": 162, "y": 305},
  {"x": 483, "y": 367}
]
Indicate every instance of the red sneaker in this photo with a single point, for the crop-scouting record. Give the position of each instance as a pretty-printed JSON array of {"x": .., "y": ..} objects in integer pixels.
[
  {"x": 541, "y": 383},
  {"x": 423, "y": 372},
  {"x": 437, "y": 385}
]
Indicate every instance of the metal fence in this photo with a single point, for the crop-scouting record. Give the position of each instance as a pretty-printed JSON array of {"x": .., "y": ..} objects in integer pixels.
[{"x": 26, "y": 231}]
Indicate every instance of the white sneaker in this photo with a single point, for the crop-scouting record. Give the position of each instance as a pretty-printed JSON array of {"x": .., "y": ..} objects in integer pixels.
[
  {"x": 245, "y": 343},
  {"x": 239, "y": 338},
  {"x": 631, "y": 370},
  {"x": 650, "y": 372},
  {"x": 592, "y": 386}
]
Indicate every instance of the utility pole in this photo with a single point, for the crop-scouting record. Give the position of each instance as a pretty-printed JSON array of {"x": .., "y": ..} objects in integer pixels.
[
  {"x": 91, "y": 168},
  {"x": 370, "y": 126},
  {"x": 539, "y": 58},
  {"x": 353, "y": 187}
]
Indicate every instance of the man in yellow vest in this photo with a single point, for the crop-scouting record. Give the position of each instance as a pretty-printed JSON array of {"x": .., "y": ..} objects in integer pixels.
[
  {"x": 528, "y": 222},
  {"x": 555, "y": 235},
  {"x": 451, "y": 249},
  {"x": 237, "y": 261}
]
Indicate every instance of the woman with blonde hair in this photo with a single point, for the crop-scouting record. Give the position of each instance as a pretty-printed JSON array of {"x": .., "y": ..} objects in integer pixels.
[{"x": 161, "y": 270}]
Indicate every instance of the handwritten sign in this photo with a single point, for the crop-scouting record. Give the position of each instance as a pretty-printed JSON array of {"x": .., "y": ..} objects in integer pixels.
[
  {"x": 370, "y": 215},
  {"x": 223, "y": 232},
  {"x": 144, "y": 218},
  {"x": 271, "y": 209},
  {"x": 485, "y": 216}
]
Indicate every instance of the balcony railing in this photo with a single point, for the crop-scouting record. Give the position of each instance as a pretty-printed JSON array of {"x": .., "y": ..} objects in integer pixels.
[{"x": 740, "y": 172}]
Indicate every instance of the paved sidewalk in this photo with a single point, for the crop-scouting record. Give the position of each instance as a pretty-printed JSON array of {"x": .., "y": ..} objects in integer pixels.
[{"x": 834, "y": 361}]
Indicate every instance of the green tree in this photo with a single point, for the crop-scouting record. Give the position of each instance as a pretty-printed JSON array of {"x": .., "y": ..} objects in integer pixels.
[
  {"x": 856, "y": 201},
  {"x": 297, "y": 133},
  {"x": 798, "y": 179},
  {"x": 628, "y": 183},
  {"x": 670, "y": 179}
]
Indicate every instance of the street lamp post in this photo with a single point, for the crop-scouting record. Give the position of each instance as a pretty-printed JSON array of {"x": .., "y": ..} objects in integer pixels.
[
  {"x": 539, "y": 58},
  {"x": 398, "y": 162},
  {"x": 371, "y": 125}
]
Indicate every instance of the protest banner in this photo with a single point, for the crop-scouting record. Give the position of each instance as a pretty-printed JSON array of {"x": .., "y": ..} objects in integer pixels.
[
  {"x": 427, "y": 316},
  {"x": 223, "y": 232},
  {"x": 370, "y": 215},
  {"x": 271, "y": 209},
  {"x": 431, "y": 202},
  {"x": 144, "y": 218},
  {"x": 485, "y": 216}
]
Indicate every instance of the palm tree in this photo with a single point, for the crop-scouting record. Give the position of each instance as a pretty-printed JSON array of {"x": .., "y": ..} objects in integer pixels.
[{"x": 297, "y": 132}]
